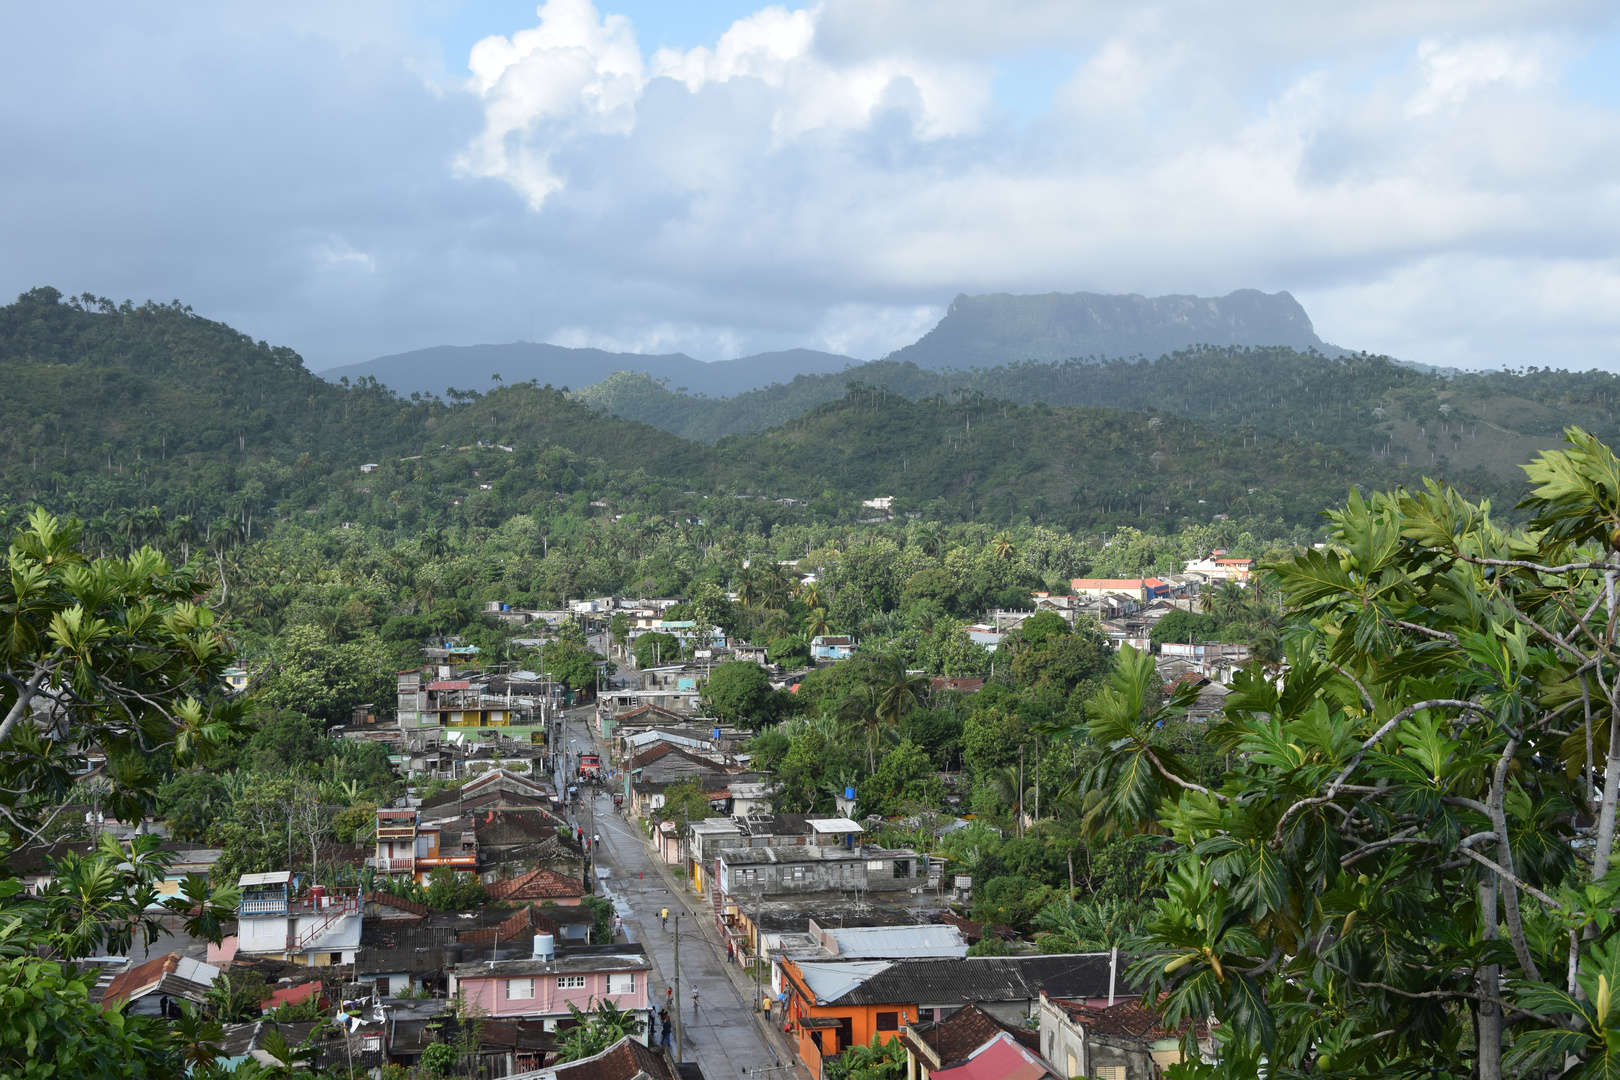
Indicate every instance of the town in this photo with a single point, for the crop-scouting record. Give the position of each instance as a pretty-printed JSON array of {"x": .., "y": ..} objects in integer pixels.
[{"x": 601, "y": 880}]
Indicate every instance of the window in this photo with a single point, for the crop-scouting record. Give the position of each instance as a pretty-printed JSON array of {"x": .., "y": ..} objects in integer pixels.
[
  {"x": 902, "y": 868},
  {"x": 1109, "y": 1072},
  {"x": 371, "y": 1042},
  {"x": 622, "y": 984},
  {"x": 888, "y": 1021},
  {"x": 570, "y": 982},
  {"x": 519, "y": 989},
  {"x": 875, "y": 864},
  {"x": 1074, "y": 1066}
]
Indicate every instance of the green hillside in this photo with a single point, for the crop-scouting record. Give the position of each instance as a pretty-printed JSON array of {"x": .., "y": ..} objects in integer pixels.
[
  {"x": 134, "y": 418},
  {"x": 1363, "y": 404}
]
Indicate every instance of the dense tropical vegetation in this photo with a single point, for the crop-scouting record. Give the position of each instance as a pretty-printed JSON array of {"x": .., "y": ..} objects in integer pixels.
[{"x": 1392, "y": 854}]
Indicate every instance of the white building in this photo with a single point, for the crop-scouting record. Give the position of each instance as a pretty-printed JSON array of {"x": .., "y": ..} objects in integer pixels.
[{"x": 319, "y": 927}]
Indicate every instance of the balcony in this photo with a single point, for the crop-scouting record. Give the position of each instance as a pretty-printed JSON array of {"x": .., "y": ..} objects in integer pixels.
[{"x": 392, "y": 866}]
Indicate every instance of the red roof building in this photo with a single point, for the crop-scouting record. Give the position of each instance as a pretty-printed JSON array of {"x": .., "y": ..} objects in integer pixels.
[{"x": 539, "y": 884}]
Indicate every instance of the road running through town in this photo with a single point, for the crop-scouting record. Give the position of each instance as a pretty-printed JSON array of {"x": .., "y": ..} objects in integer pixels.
[{"x": 724, "y": 1038}]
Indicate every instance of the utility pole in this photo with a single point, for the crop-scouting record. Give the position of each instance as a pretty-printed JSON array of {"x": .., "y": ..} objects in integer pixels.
[{"x": 675, "y": 1006}]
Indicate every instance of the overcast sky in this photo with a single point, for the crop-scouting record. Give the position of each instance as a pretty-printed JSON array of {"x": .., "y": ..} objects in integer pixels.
[{"x": 1435, "y": 179}]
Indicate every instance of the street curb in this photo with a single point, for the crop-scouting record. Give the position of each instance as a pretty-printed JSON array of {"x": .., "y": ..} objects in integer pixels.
[{"x": 783, "y": 1050}]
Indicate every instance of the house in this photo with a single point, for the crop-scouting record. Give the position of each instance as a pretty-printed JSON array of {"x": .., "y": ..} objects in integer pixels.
[
  {"x": 985, "y": 636},
  {"x": 236, "y": 679},
  {"x": 832, "y": 647},
  {"x": 387, "y": 908},
  {"x": 1139, "y": 589},
  {"x": 932, "y": 1047},
  {"x": 877, "y": 942},
  {"x": 772, "y": 871},
  {"x": 544, "y": 985},
  {"x": 512, "y": 841},
  {"x": 1002, "y": 1058},
  {"x": 408, "y": 845},
  {"x": 244, "y": 1041},
  {"x": 626, "y": 1059},
  {"x": 150, "y": 988},
  {"x": 1122, "y": 1041},
  {"x": 1220, "y": 568},
  {"x": 835, "y": 1005},
  {"x": 317, "y": 926},
  {"x": 32, "y": 864},
  {"x": 537, "y": 885}
]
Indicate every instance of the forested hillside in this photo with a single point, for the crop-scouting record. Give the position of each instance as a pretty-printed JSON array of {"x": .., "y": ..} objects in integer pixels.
[
  {"x": 180, "y": 423},
  {"x": 1365, "y": 405}
]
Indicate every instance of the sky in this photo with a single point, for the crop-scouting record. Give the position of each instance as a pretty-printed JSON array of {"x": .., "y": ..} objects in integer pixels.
[{"x": 1438, "y": 180}]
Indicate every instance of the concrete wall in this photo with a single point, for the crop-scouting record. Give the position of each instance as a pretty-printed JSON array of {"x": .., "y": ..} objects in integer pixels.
[
  {"x": 491, "y": 994},
  {"x": 1075, "y": 1050},
  {"x": 819, "y": 875}
]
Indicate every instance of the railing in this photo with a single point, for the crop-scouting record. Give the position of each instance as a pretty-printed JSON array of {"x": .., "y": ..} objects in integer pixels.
[
  {"x": 392, "y": 866},
  {"x": 275, "y": 906}
]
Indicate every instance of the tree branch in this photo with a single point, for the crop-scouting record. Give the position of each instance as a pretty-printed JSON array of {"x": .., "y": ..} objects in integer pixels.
[{"x": 1526, "y": 886}]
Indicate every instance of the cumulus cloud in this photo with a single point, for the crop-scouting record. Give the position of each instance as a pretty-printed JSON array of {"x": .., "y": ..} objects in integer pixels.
[
  {"x": 858, "y": 148},
  {"x": 1419, "y": 172}
]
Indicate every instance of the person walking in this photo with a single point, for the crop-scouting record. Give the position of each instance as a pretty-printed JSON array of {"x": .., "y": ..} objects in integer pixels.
[
  {"x": 618, "y": 926},
  {"x": 668, "y": 1027},
  {"x": 694, "y": 1000},
  {"x": 663, "y": 917},
  {"x": 669, "y": 999}
]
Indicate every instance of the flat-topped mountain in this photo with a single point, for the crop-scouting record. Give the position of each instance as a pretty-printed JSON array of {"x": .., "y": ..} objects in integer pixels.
[
  {"x": 977, "y": 331},
  {"x": 996, "y": 329}
]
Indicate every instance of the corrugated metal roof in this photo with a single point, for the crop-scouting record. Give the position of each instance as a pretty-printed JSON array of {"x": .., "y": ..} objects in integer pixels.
[
  {"x": 836, "y": 825},
  {"x": 273, "y": 877},
  {"x": 979, "y": 978},
  {"x": 829, "y": 982},
  {"x": 899, "y": 942}
]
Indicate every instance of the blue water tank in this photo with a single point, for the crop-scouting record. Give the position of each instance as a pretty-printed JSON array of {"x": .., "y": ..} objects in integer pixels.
[{"x": 849, "y": 793}]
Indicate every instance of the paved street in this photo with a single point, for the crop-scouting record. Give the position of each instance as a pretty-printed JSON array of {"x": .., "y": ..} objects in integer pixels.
[{"x": 724, "y": 1038}]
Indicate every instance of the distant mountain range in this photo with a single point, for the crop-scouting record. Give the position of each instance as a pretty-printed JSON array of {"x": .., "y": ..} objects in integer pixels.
[
  {"x": 977, "y": 331},
  {"x": 472, "y": 367}
]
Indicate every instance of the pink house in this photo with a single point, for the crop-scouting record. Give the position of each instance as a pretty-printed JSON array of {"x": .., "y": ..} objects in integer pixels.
[{"x": 542, "y": 987}]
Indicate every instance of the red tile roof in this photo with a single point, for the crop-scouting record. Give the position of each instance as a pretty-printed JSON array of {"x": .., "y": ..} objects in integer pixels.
[
  {"x": 388, "y": 899},
  {"x": 624, "y": 1060},
  {"x": 1002, "y": 1058},
  {"x": 525, "y": 922},
  {"x": 539, "y": 884},
  {"x": 964, "y": 1031}
]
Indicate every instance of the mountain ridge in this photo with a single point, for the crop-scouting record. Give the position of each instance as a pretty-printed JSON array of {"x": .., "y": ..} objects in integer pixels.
[
  {"x": 436, "y": 369},
  {"x": 987, "y": 330}
]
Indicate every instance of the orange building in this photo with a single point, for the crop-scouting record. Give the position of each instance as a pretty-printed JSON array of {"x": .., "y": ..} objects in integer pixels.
[{"x": 833, "y": 1005}]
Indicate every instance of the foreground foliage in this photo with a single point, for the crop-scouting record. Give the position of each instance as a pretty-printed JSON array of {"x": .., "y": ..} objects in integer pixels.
[{"x": 1407, "y": 867}]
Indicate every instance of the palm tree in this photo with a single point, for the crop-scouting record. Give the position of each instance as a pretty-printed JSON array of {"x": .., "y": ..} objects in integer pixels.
[
  {"x": 1002, "y": 546},
  {"x": 929, "y": 541},
  {"x": 816, "y": 624},
  {"x": 748, "y": 587},
  {"x": 890, "y": 691},
  {"x": 183, "y": 531},
  {"x": 774, "y": 586},
  {"x": 1225, "y": 600},
  {"x": 808, "y": 594}
]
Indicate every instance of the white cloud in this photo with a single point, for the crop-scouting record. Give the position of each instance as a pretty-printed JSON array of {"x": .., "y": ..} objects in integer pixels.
[
  {"x": 1415, "y": 170},
  {"x": 1451, "y": 71},
  {"x": 572, "y": 75}
]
